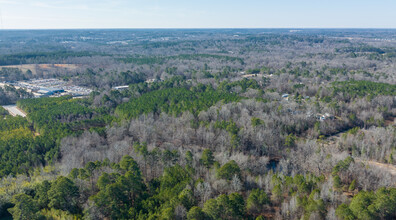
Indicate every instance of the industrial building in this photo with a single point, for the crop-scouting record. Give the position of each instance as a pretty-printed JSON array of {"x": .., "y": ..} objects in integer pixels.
[{"x": 42, "y": 92}]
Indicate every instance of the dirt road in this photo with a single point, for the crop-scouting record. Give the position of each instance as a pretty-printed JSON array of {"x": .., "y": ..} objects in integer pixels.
[{"x": 388, "y": 167}]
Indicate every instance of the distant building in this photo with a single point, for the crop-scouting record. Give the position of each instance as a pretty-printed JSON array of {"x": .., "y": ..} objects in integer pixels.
[
  {"x": 151, "y": 80},
  {"x": 49, "y": 91},
  {"x": 285, "y": 96},
  {"x": 324, "y": 117},
  {"x": 329, "y": 116},
  {"x": 121, "y": 88}
]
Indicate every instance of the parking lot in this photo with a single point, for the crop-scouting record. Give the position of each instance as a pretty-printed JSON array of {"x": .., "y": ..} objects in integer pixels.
[{"x": 50, "y": 84}]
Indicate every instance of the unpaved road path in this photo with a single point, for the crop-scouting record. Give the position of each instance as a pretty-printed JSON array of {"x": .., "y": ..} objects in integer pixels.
[{"x": 388, "y": 167}]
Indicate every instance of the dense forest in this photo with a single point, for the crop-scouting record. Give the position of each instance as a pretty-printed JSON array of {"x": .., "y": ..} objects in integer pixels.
[{"x": 211, "y": 124}]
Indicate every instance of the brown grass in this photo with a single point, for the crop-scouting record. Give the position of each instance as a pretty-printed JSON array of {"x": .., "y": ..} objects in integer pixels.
[{"x": 35, "y": 67}]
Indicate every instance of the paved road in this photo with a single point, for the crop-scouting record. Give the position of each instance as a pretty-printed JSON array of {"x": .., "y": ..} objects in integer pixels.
[{"x": 14, "y": 110}]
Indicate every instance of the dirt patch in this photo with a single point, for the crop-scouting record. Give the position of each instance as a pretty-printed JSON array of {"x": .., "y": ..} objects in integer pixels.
[{"x": 390, "y": 121}]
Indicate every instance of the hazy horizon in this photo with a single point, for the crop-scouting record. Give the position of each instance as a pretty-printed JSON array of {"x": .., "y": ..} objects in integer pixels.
[
  {"x": 177, "y": 14},
  {"x": 203, "y": 28}
]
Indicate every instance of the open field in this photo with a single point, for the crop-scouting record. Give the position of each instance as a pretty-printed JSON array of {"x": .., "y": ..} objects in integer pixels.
[{"x": 35, "y": 67}]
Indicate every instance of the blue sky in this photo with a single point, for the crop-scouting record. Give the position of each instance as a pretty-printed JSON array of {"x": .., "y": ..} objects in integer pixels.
[{"x": 50, "y": 14}]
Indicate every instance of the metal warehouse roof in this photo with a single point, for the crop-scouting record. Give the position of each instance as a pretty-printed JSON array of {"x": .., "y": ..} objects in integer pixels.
[{"x": 49, "y": 90}]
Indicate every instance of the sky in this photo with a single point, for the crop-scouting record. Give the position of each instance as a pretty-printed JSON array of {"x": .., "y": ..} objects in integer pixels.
[{"x": 71, "y": 14}]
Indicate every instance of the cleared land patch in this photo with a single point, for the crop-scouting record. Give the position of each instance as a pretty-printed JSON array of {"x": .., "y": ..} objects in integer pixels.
[{"x": 35, "y": 67}]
